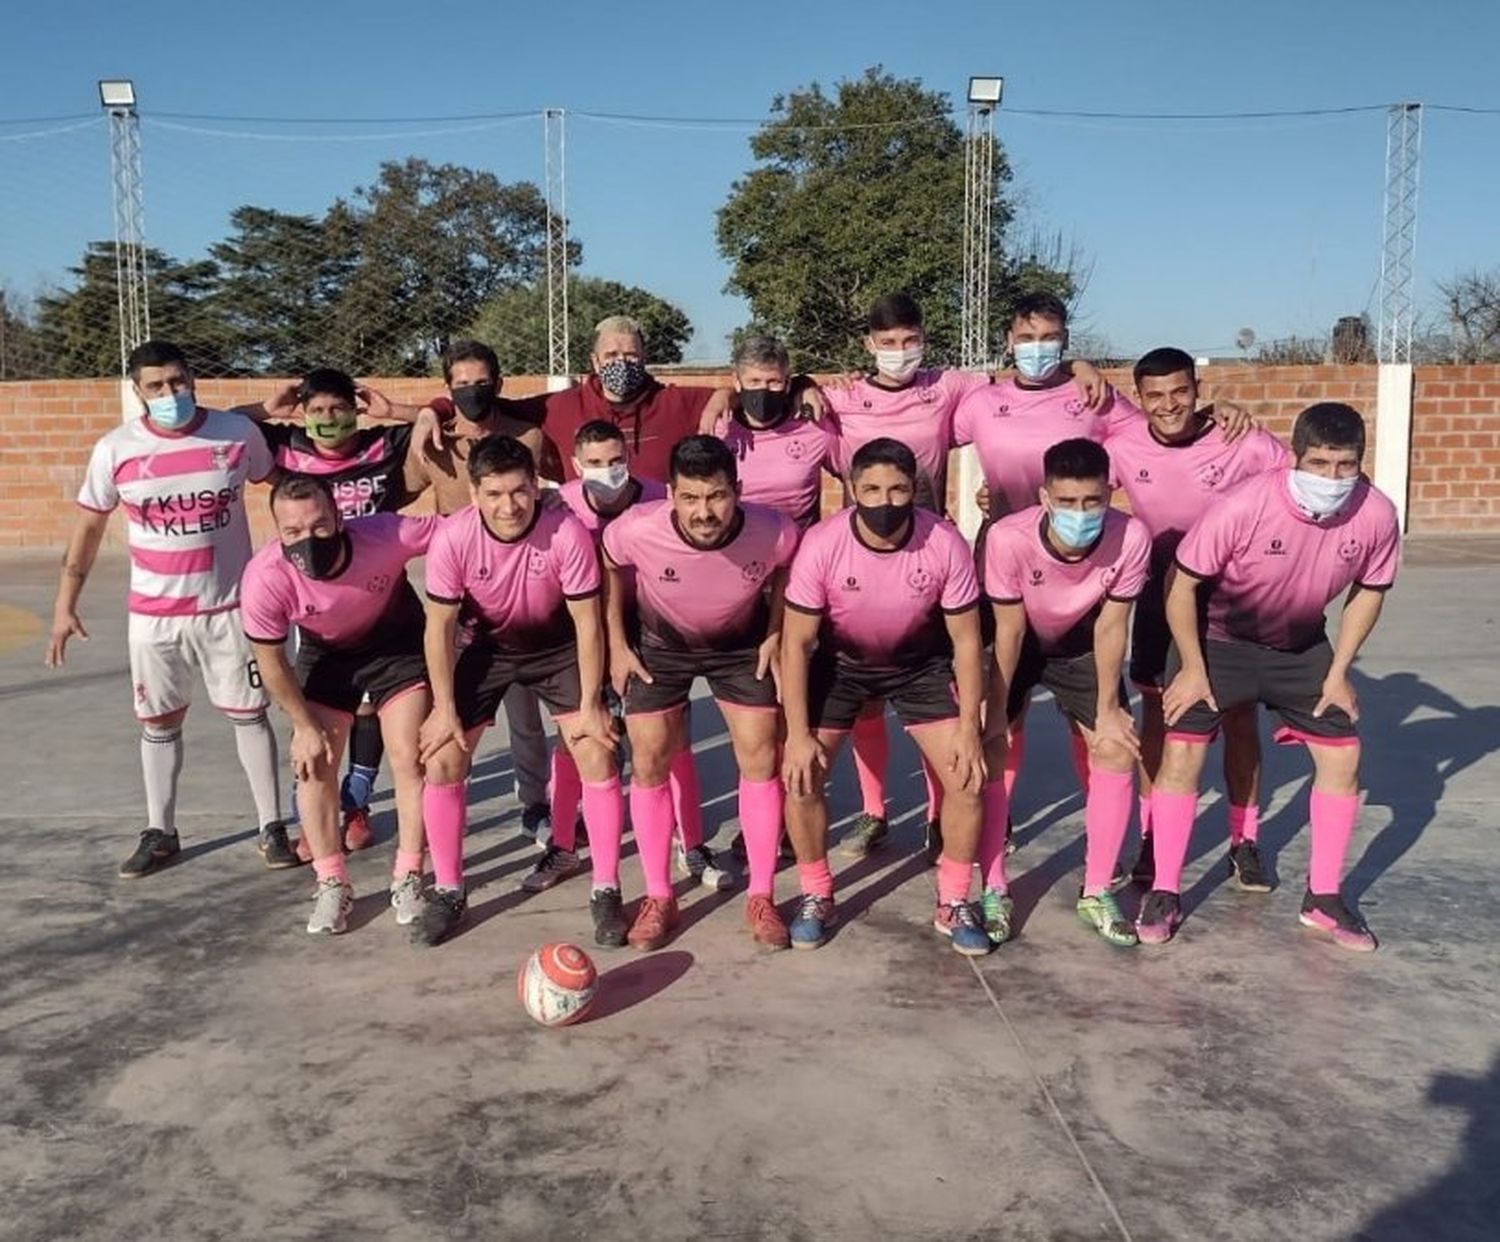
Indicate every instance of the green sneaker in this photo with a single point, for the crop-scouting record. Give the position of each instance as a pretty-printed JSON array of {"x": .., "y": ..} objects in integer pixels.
[
  {"x": 1103, "y": 915},
  {"x": 998, "y": 911},
  {"x": 868, "y": 832}
]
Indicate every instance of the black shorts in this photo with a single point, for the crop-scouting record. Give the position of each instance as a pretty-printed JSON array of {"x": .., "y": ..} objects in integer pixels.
[
  {"x": 341, "y": 679},
  {"x": 1073, "y": 680},
  {"x": 837, "y": 692},
  {"x": 484, "y": 673},
  {"x": 1150, "y": 638},
  {"x": 730, "y": 676},
  {"x": 1290, "y": 683}
]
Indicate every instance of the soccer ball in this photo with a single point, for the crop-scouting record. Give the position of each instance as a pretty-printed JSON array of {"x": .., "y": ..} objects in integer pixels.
[{"x": 556, "y": 984}]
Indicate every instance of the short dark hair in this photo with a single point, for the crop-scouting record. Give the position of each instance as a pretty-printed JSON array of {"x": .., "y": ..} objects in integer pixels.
[
  {"x": 1075, "y": 459},
  {"x": 470, "y": 351},
  {"x": 895, "y": 310},
  {"x": 497, "y": 454},
  {"x": 301, "y": 487},
  {"x": 702, "y": 457},
  {"x": 1329, "y": 424},
  {"x": 883, "y": 451},
  {"x": 1039, "y": 306},
  {"x": 326, "y": 381},
  {"x": 1165, "y": 361},
  {"x": 597, "y": 431},
  {"x": 155, "y": 354}
]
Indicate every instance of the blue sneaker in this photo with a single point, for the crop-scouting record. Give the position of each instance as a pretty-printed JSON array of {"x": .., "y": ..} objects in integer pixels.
[
  {"x": 814, "y": 917},
  {"x": 964, "y": 925}
]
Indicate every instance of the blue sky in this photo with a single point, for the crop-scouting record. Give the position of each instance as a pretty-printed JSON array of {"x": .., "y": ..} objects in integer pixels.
[{"x": 1194, "y": 230}]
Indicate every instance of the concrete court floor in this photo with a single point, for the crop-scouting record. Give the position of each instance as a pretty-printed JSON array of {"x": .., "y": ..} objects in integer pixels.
[{"x": 179, "y": 1059}]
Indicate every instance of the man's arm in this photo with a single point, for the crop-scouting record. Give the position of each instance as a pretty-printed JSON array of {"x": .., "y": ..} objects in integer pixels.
[
  {"x": 281, "y": 404},
  {"x": 443, "y": 725},
  {"x": 310, "y": 745},
  {"x": 968, "y": 668},
  {"x": 624, "y": 663},
  {"x": 1112, "y": 720},
  {"x": 804, "y": 760},
  {"x": 769, "y": 658},
  {"x": 78, "y": 560},
  {"x": 1010, "y": 633},
  {"x": 593, "y": 720},
  {"x": 1361, "y": 612},
  {"x": 1191, "y": 683}
]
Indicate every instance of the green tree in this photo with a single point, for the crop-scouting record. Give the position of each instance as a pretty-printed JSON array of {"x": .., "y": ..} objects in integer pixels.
[
  {"x": 20, "y": 356},
  {"x": 515, "y": 323},
  {"x": 855, "y": 196}
]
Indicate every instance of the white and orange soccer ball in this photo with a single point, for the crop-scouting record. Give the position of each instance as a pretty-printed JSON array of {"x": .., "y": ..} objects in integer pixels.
[{"x": 557, "y": 984}]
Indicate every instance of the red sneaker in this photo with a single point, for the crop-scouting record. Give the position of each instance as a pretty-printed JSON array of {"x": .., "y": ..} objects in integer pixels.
[
  {"x": 764, "y": 924},
  {"x": 357, "y": 834},
  {"x": 654, "y": 922}
]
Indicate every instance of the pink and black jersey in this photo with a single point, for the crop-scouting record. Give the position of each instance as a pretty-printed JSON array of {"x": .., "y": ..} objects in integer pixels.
[
  {"x": 184, "y": 499},
  {"x": 370, "y": 597},
  {"x": 367, "y": 478},
  {"x": 883, "y": 608},
  {"x": 514, "y": 591},
  {"x": 1012, "y": 427},
  {"x": 701, "y": 599},
  {"x": 573, "y": 495},
  {"x": 920, "y": 415},
  {"x": 1062, "y": 598},
  {"x": 782, "y": 467},
  {"x": 1274, "y": 570}
]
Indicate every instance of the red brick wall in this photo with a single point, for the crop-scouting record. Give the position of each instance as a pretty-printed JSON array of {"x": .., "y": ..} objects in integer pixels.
[{"x": 1455, "y": 450}]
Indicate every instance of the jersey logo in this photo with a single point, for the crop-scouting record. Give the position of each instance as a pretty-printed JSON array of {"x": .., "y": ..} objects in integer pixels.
[
  {"x": 483, "y": 573},
  {"x": 928, "y": 394},
  {"x": 851, "y": 583},
  {"x": 753, "y": 571},
  {"x": 220, "y": 455},
  {"x": 536, "y": 563},
  {"x": 310, "y": 611},
  {"x": 1211, "y": 475},
  {"x": 379, "y": 583},
  {"x": 1143, "y": 475},
  {"x": 1108, "y": 574},
  {"x": 1036, "y": 577},
  {"x": 1275, "y": 548},
  {"x": 1350, "y": 549},
  {"x": 140, "y": 692},
  {"x": 796, "y": 449},
  {"x": 1074, "y": 407},
  {"x": 920, "y": 580},
  {"x": 667, "y": 575},
  {"x": 1001, "y": 411}
]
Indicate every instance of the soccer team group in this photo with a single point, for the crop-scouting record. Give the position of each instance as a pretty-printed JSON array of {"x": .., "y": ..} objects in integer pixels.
[{"x": 685, "y": 541}]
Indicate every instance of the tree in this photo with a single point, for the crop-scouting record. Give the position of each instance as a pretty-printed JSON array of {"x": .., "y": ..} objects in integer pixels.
[
  {"x": 515, "y": 323},
  {"x": 1471, "y": 302},
  {"x": 20, "y": 356},
  {"x": 856, "y": 196}
]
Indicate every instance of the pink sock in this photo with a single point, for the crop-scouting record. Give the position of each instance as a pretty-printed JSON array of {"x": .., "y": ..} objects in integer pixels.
[
  {"x": 1106, "y": 816},
  {"x": 992, "y": 836},
  {"x": 444, "y": 811},
  {"x": 1080, "y": 751},
  {"x": 872, "y": 754},
  {"x": 651, "y": 817},
  {"x": 407, "y": 861},
  {"x": 565, "y": 794},
  {"x": 604, "y": 821},
  {"x": 331, "y": 868},
  {"x": 1171, "y": 828},
  {"x": 953, "y": 880},
  {"x": 1145, "y": 816},
  {"x": 687, "y": 798},
  {"x": 760, "y": 821},
  {"x": 816, "y": 879},
  {"x": 1015, "y": 755},
  {"x": 1244, "y": 823},
  {"x": 934, "y": 791},
  {"x": 1333, "y": 817}
]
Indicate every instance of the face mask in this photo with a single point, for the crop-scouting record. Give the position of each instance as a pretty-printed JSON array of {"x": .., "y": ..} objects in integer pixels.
[
  {"x": 884, "y": 520},
  {"x": 1078, "y": 528},
  {"x": 1038, "y": 360},
  {"x": 1319, "y": 497},
  {"x": 624, "y": 377},
  {"x": 605, "y": 483},
  {"x": 474, "y": 401},
  {"x": 173, "y": 411},
  {"x": 898, "y": 364},
  {"x": 765, "y": 406},
  {"x": 332, "y": 429},
  {"x": 316, "y": 556}
]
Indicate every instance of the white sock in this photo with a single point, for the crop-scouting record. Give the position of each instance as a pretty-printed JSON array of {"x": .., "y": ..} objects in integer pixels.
[
  {"x": 161, "y": 761},
  {"x": 256, "y": 742}
]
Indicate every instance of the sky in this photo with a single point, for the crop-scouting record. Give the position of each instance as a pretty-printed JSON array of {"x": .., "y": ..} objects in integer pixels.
[{"x": 1192, "y": 230}]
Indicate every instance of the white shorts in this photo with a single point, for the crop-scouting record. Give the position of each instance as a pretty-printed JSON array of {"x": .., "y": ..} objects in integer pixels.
[{"x": 167, "y": 652}]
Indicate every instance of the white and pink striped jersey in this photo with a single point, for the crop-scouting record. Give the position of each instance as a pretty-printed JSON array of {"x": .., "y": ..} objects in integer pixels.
[{"x": 184, "y": 498}]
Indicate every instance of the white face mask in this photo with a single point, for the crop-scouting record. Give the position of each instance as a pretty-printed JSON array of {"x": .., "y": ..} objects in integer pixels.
[
  {"x": 898, "y": 364},
  {"x": 605, "y": 483},
  {"x": 1320, "y": 497}
]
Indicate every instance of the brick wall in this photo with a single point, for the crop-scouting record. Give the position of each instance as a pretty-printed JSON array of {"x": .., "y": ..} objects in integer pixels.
[{"x": 1455, "y": 450}]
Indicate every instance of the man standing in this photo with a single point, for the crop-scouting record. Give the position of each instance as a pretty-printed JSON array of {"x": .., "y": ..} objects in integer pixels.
[
  {"x": 180, "y": 472},
  {"x": 1271, "y": 556}
]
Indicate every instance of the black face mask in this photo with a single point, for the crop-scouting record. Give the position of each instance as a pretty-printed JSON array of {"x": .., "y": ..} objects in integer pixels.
[
  {"x": 884, "y": 520},
  {"x": 765, "y": 406},
  {"x": 316, "y": 556},
  {"x": 474, "y": 401}
]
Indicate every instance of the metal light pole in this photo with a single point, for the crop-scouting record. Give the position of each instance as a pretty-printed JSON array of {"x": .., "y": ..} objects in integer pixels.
[
  {"x": 554, "y": 139},
  {"x": 134, "y": 300},
  {"x": 979, "y": 198},
  {"x": 1398, "y": 277}
]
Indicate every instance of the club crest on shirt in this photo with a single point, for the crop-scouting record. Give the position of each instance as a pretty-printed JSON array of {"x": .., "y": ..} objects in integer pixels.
[
  {"x": 140, "y": 692},
  {"x": 1143, "y": 475},
  {"x": 379, "y": 583},
  {"x": 753, "y": 571},
  {"x": 220, "y": 455},
  {"x": 1074, "y": 407},
  {"x": 1108, "y": 574},
  {"x": 668, "y": 575},
  {"x": 1211, "y": 475},
  {"x": 1001, "y": 411},
  {"x": 1036, "y": 577},
  {"x": 928, "y": 394},
  {"x": 921, "y": 580},
  {"x": 796, "y": 449},
  {"x": 1350, "y": 549},
  {"x": 851, "y": 583},
  {"x": 483, "y": 573},
  {"x": 536, "y": 563},
  {"x": 310, "y": 610},
  {"x": 1275, "y": 548}
]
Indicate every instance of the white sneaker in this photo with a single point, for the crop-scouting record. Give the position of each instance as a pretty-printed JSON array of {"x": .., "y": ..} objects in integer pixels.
[
  {"x": 407, "y": 899},
  {"x": 703, "y": 865},
  {"x": 331, "y": 906}
]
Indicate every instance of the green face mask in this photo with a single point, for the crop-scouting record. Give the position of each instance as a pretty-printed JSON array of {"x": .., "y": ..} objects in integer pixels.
[{"x": 330, "y": 428}]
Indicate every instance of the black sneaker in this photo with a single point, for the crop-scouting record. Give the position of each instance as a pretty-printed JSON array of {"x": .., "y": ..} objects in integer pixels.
[
  {"x": 1246, "y": 868},
  {"x": 443, "y": 912},
  {"x": 608, "y": 911},
  {"x": 934, "y": 841},
  {"x": 1327, "y": 912},
  {"x": 536, "y": 823},
  {"x": 1143, "y": 872},
  {"x": 275, "y": 848},
  {"x": 156, "y": 849},
  {"x": 868, "y": 832}
]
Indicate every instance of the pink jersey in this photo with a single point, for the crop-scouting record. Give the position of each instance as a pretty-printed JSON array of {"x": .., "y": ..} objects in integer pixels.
[
  {"x": 920, "y": 415},
  {"x": 572, "y": 493},
  {"x": 515, "y": 591},
  {"x": 1274, "y": 570},
  {"x": 184, "y": 499},
  {"x": 698, "y": 599},
  {"x": 883, "y": 607},
  {"x": 1062, "y": 598},
  {"x": 1012, "y": 427},
  {"x": 370, "y": 592},
  {"x": 782, "y": 467}
]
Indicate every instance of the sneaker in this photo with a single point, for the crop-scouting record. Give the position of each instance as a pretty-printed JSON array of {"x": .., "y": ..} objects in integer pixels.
[
  {"x": 1143, "y": 871},
  {"x": 331, "y": 906},
  {"x": 964, "y": 925},
  {"x": 275, "y": 848},
  {"x": 407, "y": 899},
  {"x": 700, "y": 864},
  {"x": 814, "y": 917},
  {"x": 1102, "y": 913},
  {"x": 155, "y": 850},
  {"x": 553, "y": 867},
  {"x": 654, "y": 920},
  {"x": 357, "y": 834},
  {"x": 764, "y": 924},
  {"x": 998, "y": 910},
  {"x": 608, "y": 913},
  {"x": 1010, "y": 837},
  {"x": 303, "y": 850},
  {"x": 934, "y": 841},
  {"x": 1246, "y": 868},
  {"x": 868, "y": 832},
  {"x": 1327, "y": 912},
  {"x": 1160, "y": 914},
  {"x": 536, "y": 823},
  {"x": 442, "y": 912}
]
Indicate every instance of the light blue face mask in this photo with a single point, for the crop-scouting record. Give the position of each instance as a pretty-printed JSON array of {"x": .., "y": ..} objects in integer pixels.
[
  {"x": 173, "y": 411},
  {"x": 1077, "y": 528},
  {"x": 1038, "y": 360}
]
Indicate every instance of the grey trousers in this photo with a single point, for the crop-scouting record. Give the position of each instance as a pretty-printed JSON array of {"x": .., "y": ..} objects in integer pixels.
[{"x": 528, "y": 745}]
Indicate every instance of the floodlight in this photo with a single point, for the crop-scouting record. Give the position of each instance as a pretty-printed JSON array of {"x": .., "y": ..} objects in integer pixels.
[
  {"x": 117, "y": 93},
  {"x": 986, "y": 90}
]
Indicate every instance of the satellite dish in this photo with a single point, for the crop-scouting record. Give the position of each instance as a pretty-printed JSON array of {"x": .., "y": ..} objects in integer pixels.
[{"x": 1245, "y": 338}]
